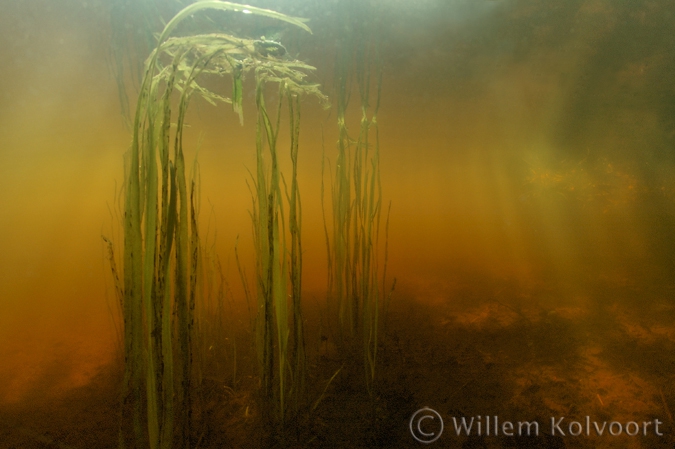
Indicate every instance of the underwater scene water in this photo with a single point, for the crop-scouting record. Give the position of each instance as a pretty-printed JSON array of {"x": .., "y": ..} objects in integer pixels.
[{"x": 337, "y": 224}]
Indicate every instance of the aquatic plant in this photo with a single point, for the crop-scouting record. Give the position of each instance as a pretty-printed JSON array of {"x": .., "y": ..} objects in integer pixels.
[
  {"x": 356, "y": 195},
  {"x": 161, "y": 237},
  {"x": 278, "y": 266}
]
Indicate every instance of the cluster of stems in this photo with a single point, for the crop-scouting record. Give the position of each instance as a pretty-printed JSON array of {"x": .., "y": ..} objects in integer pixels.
[
  {"x": 161, "y": 240},
  {"x": 278, "y": 243},
  {"x": 354, "y": 277}
]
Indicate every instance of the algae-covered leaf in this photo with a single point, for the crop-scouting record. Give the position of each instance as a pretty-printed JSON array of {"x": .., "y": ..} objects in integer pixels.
[{"x": 227, "y": 6}]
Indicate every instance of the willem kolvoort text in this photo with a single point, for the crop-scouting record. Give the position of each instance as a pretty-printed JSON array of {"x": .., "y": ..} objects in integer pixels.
[{"x": 561, "y": 426}]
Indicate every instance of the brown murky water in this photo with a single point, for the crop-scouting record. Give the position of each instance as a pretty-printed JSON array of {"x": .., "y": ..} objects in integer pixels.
[{"x": 527, "y": 151}]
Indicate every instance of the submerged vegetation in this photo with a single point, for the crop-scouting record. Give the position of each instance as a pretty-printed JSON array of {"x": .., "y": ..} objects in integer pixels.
[
  {"x": 173, "y": 291},
  {"x": 355, "y": 289},
  {"x": 161, "y": 236}
]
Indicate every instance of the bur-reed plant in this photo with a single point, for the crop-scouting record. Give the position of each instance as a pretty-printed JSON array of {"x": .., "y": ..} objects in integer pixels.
[
  {"x": 161, "y": 238},
  {"x": 279, "y": 264},
  {"x": 356, "y": 194}
]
